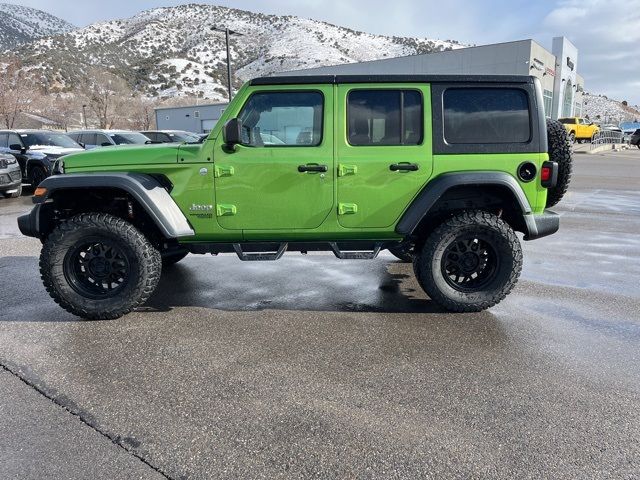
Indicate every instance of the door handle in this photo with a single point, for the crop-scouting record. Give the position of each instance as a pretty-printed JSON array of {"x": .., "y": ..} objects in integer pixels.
[
  {"x": 405, "y": 167},
  {"x": 312, "y": 168}
]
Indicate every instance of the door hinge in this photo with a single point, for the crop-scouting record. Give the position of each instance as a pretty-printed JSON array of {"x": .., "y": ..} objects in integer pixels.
[
  {"x": 347, "y": 208},
  {"x": 347, "y": 170},
  {"x": 223, "y": 171},
  {"x": 223, "y": 210}
]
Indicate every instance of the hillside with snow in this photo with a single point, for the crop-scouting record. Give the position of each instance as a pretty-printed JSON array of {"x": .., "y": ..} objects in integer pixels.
[
  {"x": 173, "y": 51},
  {"x": 19, "y": 25},
  {"x": 605, "y": 110}
]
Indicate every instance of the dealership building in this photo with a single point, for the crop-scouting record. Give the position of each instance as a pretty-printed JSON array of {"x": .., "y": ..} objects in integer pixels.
[
  {"x": 557, "y": 70},
  {"x": 562, "y": 87},
  {"x": 196, "y": 118}
]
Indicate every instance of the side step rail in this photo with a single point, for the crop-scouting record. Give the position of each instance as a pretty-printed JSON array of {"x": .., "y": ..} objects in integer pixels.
[
  {"x": 366, "y": 255},
  {"x": 260, "y": 256}
]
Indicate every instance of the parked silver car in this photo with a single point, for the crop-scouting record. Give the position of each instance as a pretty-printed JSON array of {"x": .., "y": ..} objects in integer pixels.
[
  {"x": 107, "y": 138},
  {"x": 10, "y": 176}
]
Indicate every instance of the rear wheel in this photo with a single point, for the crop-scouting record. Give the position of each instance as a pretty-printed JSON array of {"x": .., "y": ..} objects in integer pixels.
[
  {"x": 470, "y": 262},
  {"x": 572, "y": 137},
  {"x": 402, "y": 253},
  {"x": 98, "y": 266}
]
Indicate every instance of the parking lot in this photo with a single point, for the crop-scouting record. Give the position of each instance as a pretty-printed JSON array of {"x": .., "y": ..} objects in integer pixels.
[{"x": 338, "y": 369}]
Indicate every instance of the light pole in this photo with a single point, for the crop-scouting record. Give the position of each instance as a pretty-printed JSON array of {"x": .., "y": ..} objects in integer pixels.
[
  {"x": 84, "y": 115},
  {"x": 228, "y": 33}
]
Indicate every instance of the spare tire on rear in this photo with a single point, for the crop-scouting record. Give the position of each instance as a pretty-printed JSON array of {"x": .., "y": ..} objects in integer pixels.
[{"x": 561, "y": 152}]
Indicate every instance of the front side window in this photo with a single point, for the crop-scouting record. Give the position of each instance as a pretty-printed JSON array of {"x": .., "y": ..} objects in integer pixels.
[
  {"x": 14, "y": 139},
  {"x": 102, "y": 140},
  {"x": 279, "y": 119},
  {"x": 384, "y": 117},
  {"x": 486, "y": 116},
  {"x": 129, "y": 138}
]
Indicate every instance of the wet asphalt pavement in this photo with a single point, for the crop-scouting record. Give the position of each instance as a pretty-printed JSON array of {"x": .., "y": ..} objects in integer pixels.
[{"x": 314, "y": 367}]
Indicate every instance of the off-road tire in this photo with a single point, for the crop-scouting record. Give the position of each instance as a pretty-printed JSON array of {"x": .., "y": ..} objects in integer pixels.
[
  {"x": 171, "y": 258},
  {"x": 36, "y": 176},
  {"x": 403, "y": 254},
  {"x": 560, "y": 151},
  {"x": 15, "y": 194},
  {"x": 428, "y": 263},
  {"x": 144, "y": 262}
]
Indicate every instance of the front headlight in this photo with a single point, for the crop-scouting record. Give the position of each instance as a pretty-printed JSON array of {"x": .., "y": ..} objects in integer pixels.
[{"x": 11, "y": 160}]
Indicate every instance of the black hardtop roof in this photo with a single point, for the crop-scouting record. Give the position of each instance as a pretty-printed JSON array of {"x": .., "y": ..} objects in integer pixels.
[{"x": 336, "y": 79}]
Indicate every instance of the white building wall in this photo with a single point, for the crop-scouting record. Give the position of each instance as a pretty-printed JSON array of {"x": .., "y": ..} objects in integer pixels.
[{"x": 566, "y": 81}]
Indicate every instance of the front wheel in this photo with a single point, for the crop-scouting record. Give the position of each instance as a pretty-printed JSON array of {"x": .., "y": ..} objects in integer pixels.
[
  {"x": 36, "y": 176},
  {"x": 98, "y": 266},
  {"x": 470, "y": 262}
]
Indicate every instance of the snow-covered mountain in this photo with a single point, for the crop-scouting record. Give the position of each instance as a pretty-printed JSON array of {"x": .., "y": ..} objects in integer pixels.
[
  {"x": 606, "y": 110},
  {"x": 174, "y": 51},
  {"x": 20, "y": 24}
]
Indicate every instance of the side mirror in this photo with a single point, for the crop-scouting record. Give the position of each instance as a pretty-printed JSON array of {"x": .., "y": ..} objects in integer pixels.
[
  {"x": 16, "y": 147},
  {"x": 82, "y": 145},
  {"x": 232, "y": 133},
  {"x": 105, "y": 144}
]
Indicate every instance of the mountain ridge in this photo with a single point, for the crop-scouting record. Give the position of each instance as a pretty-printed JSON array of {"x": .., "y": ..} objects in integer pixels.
[
  {"x": 20, "y": 24},
  {"x": 172, "y": 51}
]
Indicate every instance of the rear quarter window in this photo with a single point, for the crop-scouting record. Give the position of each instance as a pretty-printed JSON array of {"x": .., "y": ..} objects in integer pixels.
[{"x": 486, "y": 116}]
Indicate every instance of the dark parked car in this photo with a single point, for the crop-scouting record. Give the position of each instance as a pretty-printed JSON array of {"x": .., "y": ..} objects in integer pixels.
[
  {"x": 36, "y": 151},
  {"x": 635, "y": 138},
  {"x": 10, "y": 176},
  {"x": 107, "y": 138},
  {"x": 171, "y": 136}
]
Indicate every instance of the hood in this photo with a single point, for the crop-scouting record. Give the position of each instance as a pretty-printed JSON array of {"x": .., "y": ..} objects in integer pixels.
[
  {"x": 124, "y": 155},
  {"x": 54, "y": 150}
]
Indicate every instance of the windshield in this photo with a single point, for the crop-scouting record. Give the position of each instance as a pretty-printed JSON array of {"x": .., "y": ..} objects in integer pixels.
[
  {"x": 129, "y": 138},
  {"x": 48, "y": 139}
]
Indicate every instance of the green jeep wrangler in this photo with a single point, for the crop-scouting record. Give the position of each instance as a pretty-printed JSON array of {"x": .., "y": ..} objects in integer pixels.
[{"x": 440, "y": 170}]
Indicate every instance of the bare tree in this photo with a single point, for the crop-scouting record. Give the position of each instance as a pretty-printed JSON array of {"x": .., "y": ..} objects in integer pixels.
[
  {"x": 16, "y": 93},
  {"x": 63, "y": 108},
  {"x": 106, "y": 94},
  {"x": 142, "y": 113}
]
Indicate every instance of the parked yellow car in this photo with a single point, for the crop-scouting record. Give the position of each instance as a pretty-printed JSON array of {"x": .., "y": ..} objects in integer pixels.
[{"x": 579, "y": 129}]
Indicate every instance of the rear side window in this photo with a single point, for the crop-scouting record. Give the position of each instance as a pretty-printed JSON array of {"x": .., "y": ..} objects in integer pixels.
[
  {"x": 384, "y": 117},
  {"x": 486, "y": 116},
  {"x": 89, "y": 139},
  {"x": 281, "y": 119},
  {"x": 567, "y": 121}
]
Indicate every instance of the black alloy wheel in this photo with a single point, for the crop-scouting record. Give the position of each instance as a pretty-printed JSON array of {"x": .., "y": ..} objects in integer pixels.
[
  {"x": 469, "y": 263},
  {"x": 96, "y": 268}
]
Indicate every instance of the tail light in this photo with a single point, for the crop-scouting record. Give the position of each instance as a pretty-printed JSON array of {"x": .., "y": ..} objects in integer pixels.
[{"x": 549, "y": 174}]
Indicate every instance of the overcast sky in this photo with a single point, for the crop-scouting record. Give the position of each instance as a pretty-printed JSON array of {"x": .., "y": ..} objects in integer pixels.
[{"x": 606, "y": 32}]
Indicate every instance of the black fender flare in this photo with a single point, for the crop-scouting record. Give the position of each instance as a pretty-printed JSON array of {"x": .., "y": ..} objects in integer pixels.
[
  {"x": 437, "y": 187},
  {"x": 145, "y": 189}
]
